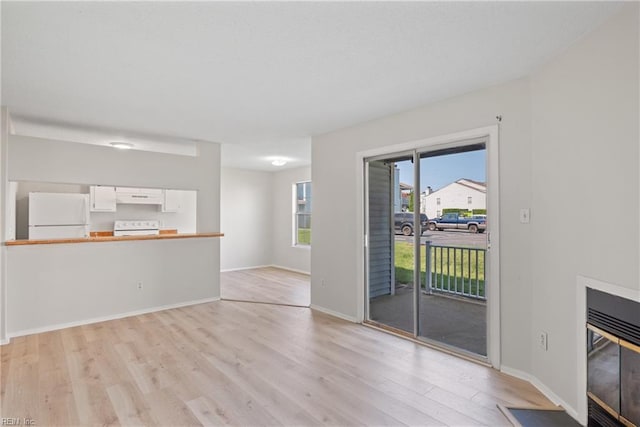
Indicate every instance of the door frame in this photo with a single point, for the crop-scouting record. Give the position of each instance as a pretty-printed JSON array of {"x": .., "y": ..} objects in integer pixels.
[{"x": 491, "y": 134}]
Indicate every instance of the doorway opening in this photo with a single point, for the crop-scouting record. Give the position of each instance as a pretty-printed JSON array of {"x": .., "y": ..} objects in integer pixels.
[{"x": 427, "y": 245}]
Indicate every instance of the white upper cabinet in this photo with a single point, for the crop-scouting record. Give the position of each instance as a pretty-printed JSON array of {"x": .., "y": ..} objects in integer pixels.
[
  {"x": 103, "y": 198},
  {"x": 172, "y": 201}
]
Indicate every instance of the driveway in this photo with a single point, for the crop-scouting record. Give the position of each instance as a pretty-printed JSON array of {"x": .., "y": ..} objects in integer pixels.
[{"x": 458, "y": 238}]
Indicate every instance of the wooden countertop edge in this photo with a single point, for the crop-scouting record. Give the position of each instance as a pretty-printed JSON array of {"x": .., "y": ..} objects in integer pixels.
[{"x": 111, "y": 239}]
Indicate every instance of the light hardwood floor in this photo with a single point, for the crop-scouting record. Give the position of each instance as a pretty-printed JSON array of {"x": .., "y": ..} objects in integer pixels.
[
  {"x": 246, "y": 364},
  {"x": 267, "y": 285}
]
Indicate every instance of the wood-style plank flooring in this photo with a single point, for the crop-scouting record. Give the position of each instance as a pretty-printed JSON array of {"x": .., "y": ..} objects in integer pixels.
[
  {"x": 246, "y": 364},
  {"x": 266, "y": 285}
]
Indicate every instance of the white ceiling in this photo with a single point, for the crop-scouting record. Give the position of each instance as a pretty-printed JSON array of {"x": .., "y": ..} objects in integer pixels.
[{"x": 264, "y": 77}]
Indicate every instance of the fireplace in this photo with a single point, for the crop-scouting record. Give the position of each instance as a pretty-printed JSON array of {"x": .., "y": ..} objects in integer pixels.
[{"x": 613, "y": 360}]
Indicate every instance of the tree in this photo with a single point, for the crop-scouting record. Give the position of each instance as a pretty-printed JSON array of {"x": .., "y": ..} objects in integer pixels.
[{"x": 411, "y": 201}]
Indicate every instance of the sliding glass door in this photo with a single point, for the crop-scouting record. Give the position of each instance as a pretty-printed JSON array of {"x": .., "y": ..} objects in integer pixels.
[
  {"x": 390, "y": 245},
  {"x": 426, "y": 245}
]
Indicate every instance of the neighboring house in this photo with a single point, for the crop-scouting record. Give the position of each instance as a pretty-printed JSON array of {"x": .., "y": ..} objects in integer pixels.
[
  {"x": 401, "y": 193},
  {"x": 461, "y": 194},
  {"x": 405, "y": 196}
]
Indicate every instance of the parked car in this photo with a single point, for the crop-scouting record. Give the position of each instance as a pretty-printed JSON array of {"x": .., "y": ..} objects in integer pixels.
[
  {"x": 404, "y": 223},
  {"x": 475, "y": 224}
]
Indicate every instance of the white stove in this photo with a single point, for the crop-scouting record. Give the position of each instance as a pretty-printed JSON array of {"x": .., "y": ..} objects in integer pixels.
[{"x": 136, "y": 228}]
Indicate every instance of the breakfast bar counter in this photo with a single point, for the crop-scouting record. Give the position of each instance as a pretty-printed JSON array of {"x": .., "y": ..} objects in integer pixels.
[{"x": 110, "y": 238}]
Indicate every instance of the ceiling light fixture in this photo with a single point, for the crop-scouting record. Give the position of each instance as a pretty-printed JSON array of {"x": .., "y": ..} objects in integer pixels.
[
  {"x": 279, "y": 162},
  {"x": 121, "y": 145}
]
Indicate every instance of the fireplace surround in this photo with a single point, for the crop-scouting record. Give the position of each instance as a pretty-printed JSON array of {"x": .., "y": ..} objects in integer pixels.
[{"x": 613, "y": 360}]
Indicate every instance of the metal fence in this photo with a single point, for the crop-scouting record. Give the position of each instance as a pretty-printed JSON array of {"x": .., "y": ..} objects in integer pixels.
[{"x": 455, "y": 270}]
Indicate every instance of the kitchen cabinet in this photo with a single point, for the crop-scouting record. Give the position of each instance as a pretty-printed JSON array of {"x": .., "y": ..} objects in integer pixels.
[
  {"x": 172, "y": 201},
  {"x": 139, "y": 196},
  {"x": 103, "y": 198}
]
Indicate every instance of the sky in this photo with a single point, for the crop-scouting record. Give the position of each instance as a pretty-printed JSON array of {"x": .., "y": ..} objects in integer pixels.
[{"x": 442, "y": 170}]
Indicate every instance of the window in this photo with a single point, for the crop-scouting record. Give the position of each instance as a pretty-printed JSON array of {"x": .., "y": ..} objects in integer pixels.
[
  {"x": 438, "y": 201},
  {"x": 469, "y": 200},
  {"x": 302, "y": 220}
]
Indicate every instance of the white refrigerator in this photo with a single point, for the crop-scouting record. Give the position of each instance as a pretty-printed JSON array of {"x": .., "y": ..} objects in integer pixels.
[{"x": 58, "y": 215}]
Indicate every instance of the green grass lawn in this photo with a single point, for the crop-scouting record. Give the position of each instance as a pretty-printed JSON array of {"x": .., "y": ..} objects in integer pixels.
[
  {"x": 443, "y": 274},
  {"x": 304, "y": 236}
]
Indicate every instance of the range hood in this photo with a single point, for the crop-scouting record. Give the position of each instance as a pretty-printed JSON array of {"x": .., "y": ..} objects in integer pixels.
[{"x": 139, "y": 196}]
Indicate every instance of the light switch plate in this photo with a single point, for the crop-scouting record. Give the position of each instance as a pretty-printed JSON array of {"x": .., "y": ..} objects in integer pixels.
[
  {"x": 525, "y": 214},
  {"x": 543, "y": 340}
]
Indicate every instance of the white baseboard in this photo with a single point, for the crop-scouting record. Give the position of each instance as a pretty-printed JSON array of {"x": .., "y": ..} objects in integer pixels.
[
  {"x": 543, "y": 389},
  {"x": 281, "y": 267},
  {"x": 333, "y": 313},
  {"x": 106, "y": 318},
  {"x": 5, "y": 341},
  {"x": 245, "y": 268}
]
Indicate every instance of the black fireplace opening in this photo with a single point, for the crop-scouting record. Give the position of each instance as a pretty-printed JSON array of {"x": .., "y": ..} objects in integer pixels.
[{"x": 613, "y": 360}]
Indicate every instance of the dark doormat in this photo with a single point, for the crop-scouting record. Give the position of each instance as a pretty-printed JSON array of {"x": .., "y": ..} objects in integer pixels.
[{"x": 538, "y": 417}]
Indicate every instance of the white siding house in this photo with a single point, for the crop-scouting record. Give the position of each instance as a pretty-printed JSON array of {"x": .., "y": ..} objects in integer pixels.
[
  {"x": 401, "y": 192},
  {"x": 461, "y": 194}
]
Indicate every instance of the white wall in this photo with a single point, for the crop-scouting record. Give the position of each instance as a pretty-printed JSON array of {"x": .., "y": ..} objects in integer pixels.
[
  {"x": 68, "y": 283},
  {"x": 57, "y": 285},
  {"x": 246, "y": 218},
  {"x": 257, "y": 219},
  {"x": 569, "y": 137},
  {"x": 585, "y": 165},
  {"x": 334, "y": 171},
  {"x": 4, "y": 230},
  {"x": 285, "y": 254}
]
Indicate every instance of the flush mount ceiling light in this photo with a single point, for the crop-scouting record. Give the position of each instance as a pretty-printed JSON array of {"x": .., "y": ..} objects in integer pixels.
[
  {"x": 121, "y": 145},
  {"x": 279, "y": 162}
]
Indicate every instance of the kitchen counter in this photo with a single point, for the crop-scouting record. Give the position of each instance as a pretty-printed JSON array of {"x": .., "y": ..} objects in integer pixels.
[{"x": 100, "y": 238}]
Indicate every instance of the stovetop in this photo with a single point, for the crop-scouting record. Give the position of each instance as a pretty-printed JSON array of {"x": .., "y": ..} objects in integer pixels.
[{"x": 136, "y": 227}]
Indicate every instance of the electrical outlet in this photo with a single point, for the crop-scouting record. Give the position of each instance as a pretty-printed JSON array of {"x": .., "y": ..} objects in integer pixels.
[
  {"x": 525, "y": 215},
  {"x": 139, "y": 285},
  {"x": 543, "y": 340}
]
